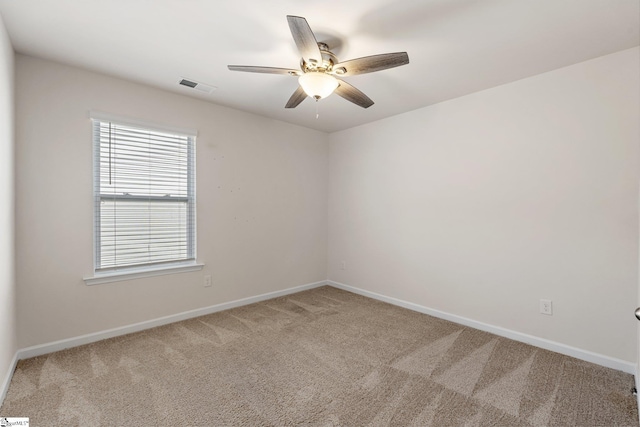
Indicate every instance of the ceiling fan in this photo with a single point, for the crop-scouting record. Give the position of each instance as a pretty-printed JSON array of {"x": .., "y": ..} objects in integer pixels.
[{"x": 320, "y": 69}]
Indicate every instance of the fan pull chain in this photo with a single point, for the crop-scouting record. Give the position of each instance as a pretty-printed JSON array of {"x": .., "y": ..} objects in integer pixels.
[{"x": 317, "y": 114}]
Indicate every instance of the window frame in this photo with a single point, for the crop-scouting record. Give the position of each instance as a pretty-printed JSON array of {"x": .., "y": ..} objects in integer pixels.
[{"x": 128, "y": 272}]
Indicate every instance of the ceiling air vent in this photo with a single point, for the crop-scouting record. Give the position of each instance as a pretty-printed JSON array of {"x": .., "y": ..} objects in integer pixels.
[
  {"x": 185, "y": 82},
  {"x": 196, "y": 85}
]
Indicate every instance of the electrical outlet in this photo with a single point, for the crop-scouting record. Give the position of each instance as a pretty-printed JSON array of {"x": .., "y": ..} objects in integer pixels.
[
  {"x": 207, "y": 281},
  {"x": 343, "y": 265},
  {"x": 546, "y": 307}
]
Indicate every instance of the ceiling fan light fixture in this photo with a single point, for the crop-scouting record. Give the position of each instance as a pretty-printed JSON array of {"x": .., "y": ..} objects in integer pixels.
[
  {"x": 320, "y": 70},
  {"x": 317, "y": 84}
]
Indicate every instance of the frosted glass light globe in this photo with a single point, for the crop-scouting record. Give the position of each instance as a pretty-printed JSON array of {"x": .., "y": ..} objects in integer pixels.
[{"x": 317, "y": 84}]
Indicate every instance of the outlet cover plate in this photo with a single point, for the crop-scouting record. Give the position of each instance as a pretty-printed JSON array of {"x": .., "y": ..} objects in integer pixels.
[{"x": 546, "y": 307}]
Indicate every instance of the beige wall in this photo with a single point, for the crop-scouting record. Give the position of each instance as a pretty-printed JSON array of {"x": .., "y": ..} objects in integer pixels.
[
  {"x": 8, "y": 345},
  {"x": 477, "y": 207},
  {"x": 481, "y": 206},
  {"x": 261, "y": 204}
]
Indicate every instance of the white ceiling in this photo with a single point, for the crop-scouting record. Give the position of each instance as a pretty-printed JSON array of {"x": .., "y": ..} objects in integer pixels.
[{"x": 455, "y": 47}]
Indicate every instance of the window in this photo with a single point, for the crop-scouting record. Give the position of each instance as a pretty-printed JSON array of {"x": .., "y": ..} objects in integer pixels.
[{"x": 144, "y": 195}]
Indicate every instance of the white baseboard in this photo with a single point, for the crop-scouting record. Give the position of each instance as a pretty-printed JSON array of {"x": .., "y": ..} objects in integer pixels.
[
  {"x": 637, "y": 393},
  {"x": 51, "y": 347},
  {"x": 599, "y": 359},
  {"x": 4, "y": 387}
]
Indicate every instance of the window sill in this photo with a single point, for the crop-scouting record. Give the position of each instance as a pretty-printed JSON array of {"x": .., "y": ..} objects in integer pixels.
[{"x": 140, "y": 273}]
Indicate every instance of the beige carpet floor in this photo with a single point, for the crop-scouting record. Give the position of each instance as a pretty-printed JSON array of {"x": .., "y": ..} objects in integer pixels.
[{"x": 323, "y": 357}]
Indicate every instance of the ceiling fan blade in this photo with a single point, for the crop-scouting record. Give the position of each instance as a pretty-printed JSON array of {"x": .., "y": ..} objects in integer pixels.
[
  {"x": 298, "y": 96},
  {"x": 352, "y": 94},
  {"x": 265, "y": 70},
  {"x": 369, "y": 64},
  {"x": 305, "y": 40}
]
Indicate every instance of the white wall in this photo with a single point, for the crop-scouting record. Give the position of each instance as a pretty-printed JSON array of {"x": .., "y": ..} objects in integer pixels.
[
  {"x": 481, "y": 206},
  {"x": 8, "y": 345},
  {"x": 261, "y": 204},
  {"x": 478, "y": 206}
]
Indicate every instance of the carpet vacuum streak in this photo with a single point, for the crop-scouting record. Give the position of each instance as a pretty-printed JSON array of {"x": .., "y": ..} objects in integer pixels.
[{"x": 323, "y": 357}]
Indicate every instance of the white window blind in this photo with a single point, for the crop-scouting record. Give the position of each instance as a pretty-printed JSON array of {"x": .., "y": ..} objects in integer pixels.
[{"x": 144, "y": 189}]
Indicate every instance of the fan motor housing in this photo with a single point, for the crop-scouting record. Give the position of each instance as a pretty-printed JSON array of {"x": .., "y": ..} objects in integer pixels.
[{"x": 328, "y": 60}]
